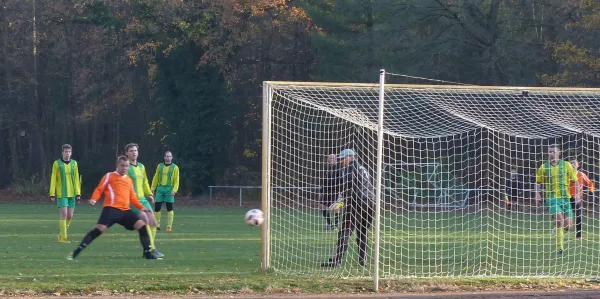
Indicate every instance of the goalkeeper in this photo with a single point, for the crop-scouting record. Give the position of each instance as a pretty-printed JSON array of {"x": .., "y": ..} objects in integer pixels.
[
  {"x": 357, "y": 189},
  {"x": 577, "y": 205},
  {"x": 556, "y": 175},
  {"x": 330, "y": 192},
  {"x": 514, "y": 189}
]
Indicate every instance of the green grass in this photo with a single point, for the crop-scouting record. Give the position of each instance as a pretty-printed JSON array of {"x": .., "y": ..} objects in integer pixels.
[{"x": 211, "y": 250}]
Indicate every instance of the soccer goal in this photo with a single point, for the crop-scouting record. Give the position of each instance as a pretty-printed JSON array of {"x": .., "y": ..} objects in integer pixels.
[{"x": 440, "y": 157}]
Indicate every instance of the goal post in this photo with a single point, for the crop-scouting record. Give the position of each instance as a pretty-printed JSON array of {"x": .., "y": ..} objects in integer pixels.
[{"x": 441, "y": 163}]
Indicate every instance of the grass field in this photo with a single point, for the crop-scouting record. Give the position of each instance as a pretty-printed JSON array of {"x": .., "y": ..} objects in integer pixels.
[{"x": 211, "y": 250}]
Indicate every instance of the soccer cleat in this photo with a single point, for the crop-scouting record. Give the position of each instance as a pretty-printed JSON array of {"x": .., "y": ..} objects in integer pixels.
[
  {"x": 150, "y": 256},
  {"x": 579, "y": 238},
  {"x": 560, "y": 251},
  {"x": 63, "y": 240},
  {"x": 157, "y": 253},
  {"x": 74, "y": 254},
  {"x": 331, "y": 264},
  {"x": 361, "y": 261},
  {"x": 168, "y": 228}
]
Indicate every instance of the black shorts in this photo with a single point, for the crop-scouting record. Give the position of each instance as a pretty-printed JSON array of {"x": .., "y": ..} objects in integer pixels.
[{"x": 110, "y": 216}]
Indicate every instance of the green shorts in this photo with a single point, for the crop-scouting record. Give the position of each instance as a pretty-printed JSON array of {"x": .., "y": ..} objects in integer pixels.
[
  {"x": 560, "y": 205},
  {"x": 65, "y": 202},
  {"x": 163, "y": 194},
  {"x": 145, "y": 203}
]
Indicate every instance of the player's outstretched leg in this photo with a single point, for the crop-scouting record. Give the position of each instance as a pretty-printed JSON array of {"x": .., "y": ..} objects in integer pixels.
[{"x": 87, "y": 240}]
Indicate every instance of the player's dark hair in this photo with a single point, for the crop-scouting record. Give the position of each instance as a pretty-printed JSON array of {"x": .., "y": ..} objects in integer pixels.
[
  {"x": 121, "y": 159},
  {"x": 127, "y": 147},
  {"x": 554, "y": 145},
  {"x": 66, "y": 147}
]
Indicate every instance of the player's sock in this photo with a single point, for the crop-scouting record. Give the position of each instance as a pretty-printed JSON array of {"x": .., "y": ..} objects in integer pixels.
[
  {"x": 157, "y": 216},
  {"x": 153, "y": 232},
  {"x": 149, "y": 233},
  {"x": 91, "y": 235},
  {"x": 560, "y": 238},
  {"x": 326, "y": 216},
  {"x": 62, "y": 224},
  {"x": 170, "y": 217},
  {"x": 68, "y": 223},
  {"x": 145, "y": 239}
]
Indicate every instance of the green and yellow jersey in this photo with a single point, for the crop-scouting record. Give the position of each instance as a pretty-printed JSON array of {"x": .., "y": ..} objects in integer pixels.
[
  {"x": 140, "y": 181},
  {"x": 64, "y": 180},
  {"x": 166, "y": 176},
  {"x": 556, "y": 179}
]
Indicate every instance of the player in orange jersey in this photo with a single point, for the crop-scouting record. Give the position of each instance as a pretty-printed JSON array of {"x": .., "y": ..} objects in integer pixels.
[
  {"x": 118, "y": 192},
  {"x": 577, "y": 205}
]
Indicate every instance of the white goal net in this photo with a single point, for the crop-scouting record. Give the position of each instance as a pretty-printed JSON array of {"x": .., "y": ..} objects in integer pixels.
[{"x": 457, "y": 184}]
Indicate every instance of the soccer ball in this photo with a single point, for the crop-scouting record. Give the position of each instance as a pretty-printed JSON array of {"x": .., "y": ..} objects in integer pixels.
[{"x": 254, "y": 217}]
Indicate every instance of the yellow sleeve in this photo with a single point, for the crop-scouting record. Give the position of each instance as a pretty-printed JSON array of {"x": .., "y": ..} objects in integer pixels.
[
  {"x": 540, "y": 174},
  {"x": 571, "y": 173},
  {"x": 77, "y": 180},
  {"x": 147, "y": 191},
  {"x": 155, "y": 178},
  {"x": 175, "y": 179},
  {"x": 53, "y": 178}
]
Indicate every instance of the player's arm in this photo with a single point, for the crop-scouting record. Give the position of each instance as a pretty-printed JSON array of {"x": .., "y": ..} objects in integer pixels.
[
  {"x": 155, "y": 181},
  {"x": 175, "y": 179},
  {"x": 100, "y": 189},
  {"x": 77, "y": 182},
  {"x": 133, "y": 199},
  {"x": 53, "y": 179},
  {"x": 146, "y": 188},
  {"x": 587, "y": 182},
  {"x": 572, "y": 176},
  {"x": 539, "y": 182}
]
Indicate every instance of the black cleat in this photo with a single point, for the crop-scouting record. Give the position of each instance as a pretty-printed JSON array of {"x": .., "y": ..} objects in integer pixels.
[
  {"x": 560, "y": 251},
  {"x": 74, "y": 254},
  {"x": 361, "y": 261}
]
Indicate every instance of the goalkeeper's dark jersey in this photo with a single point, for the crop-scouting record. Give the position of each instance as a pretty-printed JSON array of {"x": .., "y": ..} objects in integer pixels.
[
  {"x": 514, "y": 185},
  {"x": 358, "y": 185},
  {"x": 331, "y": 182}
]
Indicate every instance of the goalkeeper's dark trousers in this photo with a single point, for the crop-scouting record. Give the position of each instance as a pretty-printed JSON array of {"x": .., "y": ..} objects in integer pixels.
[
  {"x": 578, "y": 211},
  {"x": 357, "y": 216}
]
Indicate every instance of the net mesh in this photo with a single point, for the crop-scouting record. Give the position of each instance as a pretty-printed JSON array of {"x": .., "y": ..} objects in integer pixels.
[{"x": 452, "y": 155}]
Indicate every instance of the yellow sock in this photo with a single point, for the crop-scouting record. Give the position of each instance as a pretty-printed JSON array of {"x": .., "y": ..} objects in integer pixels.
[
  {"x": 170, "y": 216},
  {"x": 157, "y": 216},
  {"x": 151, "y": 237},
  {"x": 68, "y": 223},
  {"x": 153, "y": 229},
  {"x": 560, "y": 238},
  {"x": 62, "y": 224}
]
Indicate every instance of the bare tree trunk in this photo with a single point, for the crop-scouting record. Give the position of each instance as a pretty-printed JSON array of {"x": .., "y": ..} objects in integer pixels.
[{"x": 12, "y": 128}]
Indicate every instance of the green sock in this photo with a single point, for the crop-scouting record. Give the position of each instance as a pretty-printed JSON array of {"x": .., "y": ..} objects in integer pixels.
[{"x": 560, "y": 238}]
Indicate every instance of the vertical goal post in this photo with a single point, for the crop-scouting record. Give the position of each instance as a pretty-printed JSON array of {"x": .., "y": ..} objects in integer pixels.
[{"x": 439, "y": 157}]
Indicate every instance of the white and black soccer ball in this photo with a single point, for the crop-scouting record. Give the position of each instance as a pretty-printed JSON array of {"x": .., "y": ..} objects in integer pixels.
[{"x": 254, "y": 217}]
